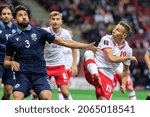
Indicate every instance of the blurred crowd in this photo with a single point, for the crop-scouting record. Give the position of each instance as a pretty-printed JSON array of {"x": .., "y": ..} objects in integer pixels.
[
  {"x": 98, "y": 17},
  {"x": 95, "y": 18}
]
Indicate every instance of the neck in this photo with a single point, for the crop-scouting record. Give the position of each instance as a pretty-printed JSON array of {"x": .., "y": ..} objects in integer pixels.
[
  {"x": 22, "y": 28},
  {"x": 5, "y": 24},
  {"x": 119, "y": 41},
  {"x": 56, "y": 30}
]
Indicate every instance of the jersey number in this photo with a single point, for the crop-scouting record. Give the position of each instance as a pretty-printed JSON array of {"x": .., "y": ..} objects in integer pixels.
[
  {"x": 109, "y": 88},
  {"x": 27, "y": 43}
]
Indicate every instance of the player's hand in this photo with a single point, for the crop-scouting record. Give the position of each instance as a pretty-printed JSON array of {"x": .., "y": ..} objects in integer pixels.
[
  {"x": 92, "y": 47},
  {"x": 15, "y": 66},
  {"x": 74, "y": 70},
  {"x": 133, "y": 58},
  {"x": 123, "y": 89}
]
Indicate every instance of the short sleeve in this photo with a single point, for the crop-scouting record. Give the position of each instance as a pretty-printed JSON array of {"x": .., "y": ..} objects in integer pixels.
[
  {"x": 47, "y": 36},
  {"x": 106, "y": 42}
]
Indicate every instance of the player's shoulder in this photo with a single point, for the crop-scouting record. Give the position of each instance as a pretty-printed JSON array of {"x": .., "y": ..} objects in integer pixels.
[
  {"x": 65, "y": 31},
  {"x": 107, "y": 37},
  {"x": 14, "y": 35},
  {"x": 127, "y": 47}
]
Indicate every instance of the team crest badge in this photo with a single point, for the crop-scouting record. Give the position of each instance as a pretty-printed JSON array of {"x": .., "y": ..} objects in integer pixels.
[
  {"x": 34, "y": 37},
  {"x": 13, "y": 31}
]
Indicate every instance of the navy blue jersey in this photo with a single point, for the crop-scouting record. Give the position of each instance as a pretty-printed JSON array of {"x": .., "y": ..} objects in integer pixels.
[
  {"x": 5, "y": 32},
  {"x": 28, "y": 46}
]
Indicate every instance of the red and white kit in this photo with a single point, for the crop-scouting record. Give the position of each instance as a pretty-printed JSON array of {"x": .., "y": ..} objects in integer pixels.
[
  {"x": 118, "y": 78},
  {"x": 54, "y": 57},
  {"x": 106, "y": 69}
]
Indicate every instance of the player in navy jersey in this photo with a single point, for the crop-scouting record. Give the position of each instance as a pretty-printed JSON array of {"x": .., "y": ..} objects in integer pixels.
[
  {"x": 7, "y": 29},
  {"x": 29, "y": 64},
  {"x": 147, "y": 61}
]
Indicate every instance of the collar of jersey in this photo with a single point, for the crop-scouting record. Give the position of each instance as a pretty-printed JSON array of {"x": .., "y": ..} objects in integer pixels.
[
  {"x": 27, "y": 29},
  {"x": 3, "y": 26},
  {"x": 121, "y": 46}
]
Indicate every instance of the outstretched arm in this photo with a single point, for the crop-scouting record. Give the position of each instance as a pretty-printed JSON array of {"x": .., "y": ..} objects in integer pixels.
[{"x": 75, "y": 44}]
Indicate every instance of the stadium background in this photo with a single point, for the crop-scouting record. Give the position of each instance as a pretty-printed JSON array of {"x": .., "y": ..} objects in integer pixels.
[{"x": 90, "y": 20}]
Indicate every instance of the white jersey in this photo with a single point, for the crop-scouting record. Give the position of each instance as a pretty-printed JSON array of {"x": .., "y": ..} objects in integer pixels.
[
  {"x": 53, "y": 53},
  {"x": 104, "y": 65},
  {"x": 119, "y": 69},
  {"x": 69, "y": 58}
]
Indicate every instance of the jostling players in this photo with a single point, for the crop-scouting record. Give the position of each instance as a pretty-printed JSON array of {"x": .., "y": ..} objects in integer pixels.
[
  {"x": 129, "y": 82},
  {"x": 8, "y": 28},
  {"x": 99, "y": 70},
  {"x": 54, "y": 56},
  {"x": 29, "y": 63},
  {"x": 147, "y": 60}
]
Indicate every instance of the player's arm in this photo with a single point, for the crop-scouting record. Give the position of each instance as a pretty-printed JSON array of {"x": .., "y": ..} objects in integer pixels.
[
  {"x": 74, "y": 68},
  {"x": 125, "y": 75},
  {"x": 147, "y": 60},
  {"x": 117, "y": 59},
  {"x": 75, "y": 44},
  {"x": 9, "y": 63}
]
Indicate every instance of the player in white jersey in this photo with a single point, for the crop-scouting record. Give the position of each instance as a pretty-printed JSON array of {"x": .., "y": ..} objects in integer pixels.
[
  {"x": 54, "y": 55},
  {"x": 99, "y": 70},
  {"x": 129, "y": 83},
  {"x": 72, "y": 57}
]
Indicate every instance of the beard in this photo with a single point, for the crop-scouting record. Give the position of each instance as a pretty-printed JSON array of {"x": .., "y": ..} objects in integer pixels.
[{"x": 23, "y": 24}]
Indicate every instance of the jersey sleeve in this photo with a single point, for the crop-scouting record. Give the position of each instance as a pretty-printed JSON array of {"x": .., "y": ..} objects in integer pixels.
[
  {"x": 129, "y": 53},
  {"x": 47, "y": 36},
  {"x": 105, "y": 42}
]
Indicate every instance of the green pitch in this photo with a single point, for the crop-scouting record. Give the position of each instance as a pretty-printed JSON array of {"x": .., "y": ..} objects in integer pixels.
[{"x": 90, "y": 95}]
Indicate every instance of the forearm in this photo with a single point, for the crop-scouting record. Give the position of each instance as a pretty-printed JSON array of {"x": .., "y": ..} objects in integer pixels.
[
  {"x": 71, "y": 43},
  {"x": 7, "y": 63},
  {"x": 118, "y": 59},
  {"x": 125, "y": 75},
  {"x": 74, "y": 55}
]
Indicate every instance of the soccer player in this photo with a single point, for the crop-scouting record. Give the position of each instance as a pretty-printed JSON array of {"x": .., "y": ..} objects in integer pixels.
[
  {"x": 147, "y": 60},
  {"x": 100, "y": 69},
  {"x": 129, "y": 83},
  {"x": 8, "y": 28},
  {"x": 29, "y": 63},
  {"x": 54, "y": 56},
  {"x": 72, "y": 57}
]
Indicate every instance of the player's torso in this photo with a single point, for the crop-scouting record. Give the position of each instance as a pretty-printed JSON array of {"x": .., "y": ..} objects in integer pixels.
[
  {"x": 53, "y": 53},
  {"x": 102, "y": 61}
]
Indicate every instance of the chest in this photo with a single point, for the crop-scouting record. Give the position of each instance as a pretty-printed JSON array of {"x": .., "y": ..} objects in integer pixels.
[
  {"x": 119, "y": 51},
  {"x": 27, "y": 41}
]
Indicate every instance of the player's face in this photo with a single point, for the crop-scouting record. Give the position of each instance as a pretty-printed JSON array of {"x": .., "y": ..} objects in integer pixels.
[
  {"x": 6, "y": 15},
  {"x": 118, "y": 32},
  {"x": 22, "y": 19},
  {"x": 56, "y": 21}
]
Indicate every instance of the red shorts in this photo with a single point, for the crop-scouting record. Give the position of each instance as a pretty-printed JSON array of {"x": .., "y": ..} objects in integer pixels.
[
  {"x": 118, "y": 78},
  {"x": 70, "y": 76},
  {"x": 107, "y": 85},
  {"x": 59, "y": 74},
  {"x": 69, "y": 73}
]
